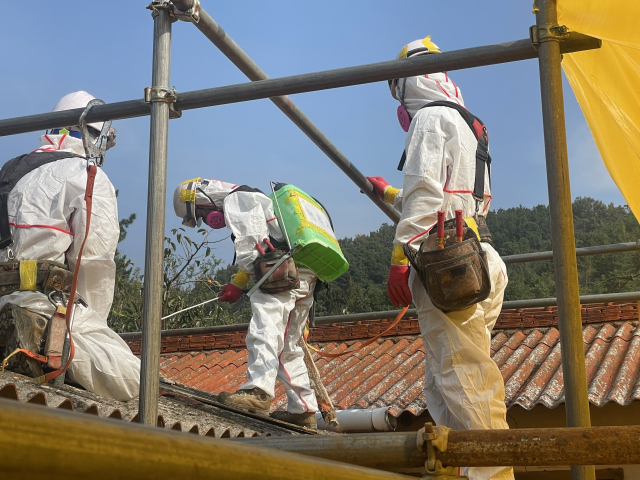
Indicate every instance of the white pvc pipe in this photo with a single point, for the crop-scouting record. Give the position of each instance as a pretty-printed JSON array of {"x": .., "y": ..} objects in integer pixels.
[{"x": 361, "y": 420}]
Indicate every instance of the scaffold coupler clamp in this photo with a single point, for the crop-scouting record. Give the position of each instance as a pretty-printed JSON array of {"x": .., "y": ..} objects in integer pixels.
[
  {"x": 94, "y": 150},
  {"x": 191, "y": 14},
  {"x": 163, "y": 94},
  {"x": 538, "y": 35},
  {"x": 156, "y": 5},
  {"x": 430, "y": 439}
]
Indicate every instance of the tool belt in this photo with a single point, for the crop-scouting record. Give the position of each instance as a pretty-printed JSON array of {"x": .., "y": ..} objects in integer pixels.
[
  {"x": 456, "y": 276},
  {"x": 285, "y": 277},
  {"x": 34, "y": 275}
]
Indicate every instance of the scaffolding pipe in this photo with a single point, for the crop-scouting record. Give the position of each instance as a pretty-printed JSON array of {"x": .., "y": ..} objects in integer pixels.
[
  {"x": 580, "y": 252},
  {"x": 90, "y": 447},
  {"x": 240, "y": 59},
  {"x": 398, "y": 452},
  {"x": 342, "y": 77},
  {"x": 156, "y": 200},
  {"x": 389, "y": 314},
  {"x": 562, "y": 232}
]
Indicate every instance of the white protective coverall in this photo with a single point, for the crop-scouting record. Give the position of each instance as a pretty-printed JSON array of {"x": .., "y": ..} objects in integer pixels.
[
  {"x": 48, "y": 216},
  {"x": 278, "y": 319},
  {"x": 464, "y": 389}
]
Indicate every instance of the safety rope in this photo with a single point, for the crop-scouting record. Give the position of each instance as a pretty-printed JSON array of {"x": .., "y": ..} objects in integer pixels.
[
  {"x": 364, "y": 344},
  {"x": 92, "y": 170}
]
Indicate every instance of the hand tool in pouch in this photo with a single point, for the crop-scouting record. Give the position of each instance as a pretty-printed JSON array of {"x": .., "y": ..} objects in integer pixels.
[
  {"x": 440, "y": 229},
  {"x": 459, "y": 226}
]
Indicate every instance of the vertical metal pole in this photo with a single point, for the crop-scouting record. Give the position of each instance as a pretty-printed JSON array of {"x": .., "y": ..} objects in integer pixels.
[
  {"x": 563, "y": 240},
  {"x": 153, "y": 261}
]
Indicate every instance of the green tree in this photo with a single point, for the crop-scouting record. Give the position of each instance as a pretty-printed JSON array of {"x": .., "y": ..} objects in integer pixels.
[
  {"x": 193, "y": 274},
  {"x": 525, "y": 230}
]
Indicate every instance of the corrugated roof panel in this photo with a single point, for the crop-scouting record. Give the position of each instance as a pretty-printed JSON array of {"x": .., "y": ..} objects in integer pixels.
[
  {"x": 390, "y": 372},
  {"x": 541, "y": 379},
  {"x": 629, "y": 372},
  {"x": 175, "y": 412}
]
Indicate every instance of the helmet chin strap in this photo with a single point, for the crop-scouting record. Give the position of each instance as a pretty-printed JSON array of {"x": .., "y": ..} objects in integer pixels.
[{"x": 403, "y": 115}]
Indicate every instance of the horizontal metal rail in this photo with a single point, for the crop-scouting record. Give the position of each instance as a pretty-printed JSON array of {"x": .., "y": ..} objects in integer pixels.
[
  {"x": 389, "y": 314},
  {"x": 510, "y": 304},
  {"x": 324, "y": 80},
  {"x": 584, "y": 300},
  {"x": 580, "y": 252},
  {"x": 399, "y": 452},
  {"x": 90, "y": 447},
  {"x": 240, "y": 59}
]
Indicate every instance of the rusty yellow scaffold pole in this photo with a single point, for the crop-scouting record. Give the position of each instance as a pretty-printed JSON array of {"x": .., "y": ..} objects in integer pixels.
[
  {"x": 88, "y": 447},
  {"x": 562, "y": 234},
  {"x": 403, "y": 451}
]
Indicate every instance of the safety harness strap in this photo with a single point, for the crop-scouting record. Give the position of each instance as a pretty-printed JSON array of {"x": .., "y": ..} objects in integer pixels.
[
  {"x": 364, "y": 344},
  {"x": 10, "y": 175},
  {"x": 88, "y": 198},
  {"x": 483, "y": 159}
]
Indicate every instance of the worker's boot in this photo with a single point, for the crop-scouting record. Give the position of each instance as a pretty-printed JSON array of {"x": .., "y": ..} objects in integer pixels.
[
  {"x": 307, "y": 419},
  {"x": 21, "y": 328},
  {"x": 254, "y": 400}
]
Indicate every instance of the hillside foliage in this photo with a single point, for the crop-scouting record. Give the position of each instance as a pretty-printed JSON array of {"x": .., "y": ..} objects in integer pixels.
[{"x": 193, "y": 274}]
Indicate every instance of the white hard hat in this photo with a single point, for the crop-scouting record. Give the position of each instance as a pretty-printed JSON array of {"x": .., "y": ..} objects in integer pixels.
[
  {"x": 77, "y": 100},
  {"x": 421, "y": 46},
  {"x": 418, "y": 47},
  {"x": 184, "y": 202}
]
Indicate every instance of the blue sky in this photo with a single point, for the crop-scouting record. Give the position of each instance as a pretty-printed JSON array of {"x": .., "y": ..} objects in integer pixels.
[{"x": 106, "y": 50}]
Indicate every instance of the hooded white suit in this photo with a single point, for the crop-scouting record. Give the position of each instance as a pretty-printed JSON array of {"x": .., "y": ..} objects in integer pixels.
[
  {"x": 464, "y": 389},
  {"x": 278, "y": 319},
  {"x": 47, "y": 215}
]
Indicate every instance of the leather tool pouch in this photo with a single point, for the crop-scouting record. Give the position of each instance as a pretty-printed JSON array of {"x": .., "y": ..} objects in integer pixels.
[
  {"x": 285, "y": 277},
  {"x": 455, "y": 277}
]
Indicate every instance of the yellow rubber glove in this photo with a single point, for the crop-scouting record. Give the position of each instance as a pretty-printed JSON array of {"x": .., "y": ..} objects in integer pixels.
[
  {"x": 398, "y": 257},
  {"x": 240, "y": 279},
  {"x": 390, "y": 194}
]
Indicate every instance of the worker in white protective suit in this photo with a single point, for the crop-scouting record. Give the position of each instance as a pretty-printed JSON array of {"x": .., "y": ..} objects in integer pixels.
[
  {"x": 464, "y": 389},
  {"x": 278, "y": 319},
  {"x": 47, "y": 215}
]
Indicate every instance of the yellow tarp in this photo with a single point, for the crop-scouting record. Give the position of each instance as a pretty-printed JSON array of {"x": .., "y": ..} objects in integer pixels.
[{"x": 606, "y": 83}]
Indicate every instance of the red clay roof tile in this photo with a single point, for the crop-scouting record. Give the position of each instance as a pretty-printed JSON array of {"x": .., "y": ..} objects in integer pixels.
[{"x": 390, "y": 372}]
